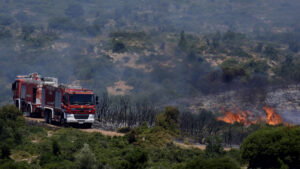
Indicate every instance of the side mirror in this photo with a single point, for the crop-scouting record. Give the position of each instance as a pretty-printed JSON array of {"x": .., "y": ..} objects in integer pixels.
[{"x": 97, "y": 100}]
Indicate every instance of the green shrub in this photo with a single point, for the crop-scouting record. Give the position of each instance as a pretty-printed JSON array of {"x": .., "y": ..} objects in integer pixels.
[
  {"x": 214, "y": 147},
  {"x": 218, "y": 163},
  {"x": 10, "y": 164},
  {"x": 137, "y": 159},
  {"x": 124, "y": 130},
  {"x": 271, "y": 52},
  {"x": 253, "y": 67},
  {"x": 5, "y": 151},
  {"x": 55, "y": 148},
  {"x": 289, "y": 70},
  {"x": 85, "y": 158},
  {"x": 169, "y": 120},
  {"x": 273, "y": 148}
]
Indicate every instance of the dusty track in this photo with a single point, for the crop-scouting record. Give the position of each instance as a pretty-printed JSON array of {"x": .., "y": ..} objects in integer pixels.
[
  {"x": 41, "y": 121},
  {"x": 196, "y": 146}
]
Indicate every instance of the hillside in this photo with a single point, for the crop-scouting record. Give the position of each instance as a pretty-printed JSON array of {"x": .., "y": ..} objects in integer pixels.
[
  {"x": 170, "y": 75},
  {"x": 26, "y": 146}
]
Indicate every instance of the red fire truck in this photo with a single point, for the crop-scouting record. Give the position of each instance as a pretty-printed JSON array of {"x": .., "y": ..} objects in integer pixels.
[{"x": 43, "y": 96}]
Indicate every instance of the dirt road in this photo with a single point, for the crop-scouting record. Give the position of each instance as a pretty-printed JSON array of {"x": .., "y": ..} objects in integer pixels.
[{"x": 41, "y": 121}]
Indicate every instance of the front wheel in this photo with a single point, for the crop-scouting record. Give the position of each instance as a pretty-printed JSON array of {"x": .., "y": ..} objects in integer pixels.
[{"x": 63, "y": 122}]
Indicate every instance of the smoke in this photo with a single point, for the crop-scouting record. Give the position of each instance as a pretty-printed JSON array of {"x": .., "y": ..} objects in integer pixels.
[
  {"x": 73, "y": 41},
  {"x": 291, "y": 116}
]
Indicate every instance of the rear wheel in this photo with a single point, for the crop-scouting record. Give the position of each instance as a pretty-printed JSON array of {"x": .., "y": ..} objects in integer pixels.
[
  {"x": 30, "y": 114},
  {"x": 48, "y": 118}
]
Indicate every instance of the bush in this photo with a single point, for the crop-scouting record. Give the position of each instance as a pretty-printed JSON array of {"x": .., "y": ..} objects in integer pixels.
[
  {"x": 5, "y": 151},
  {"x": 85, "y": 158},
  {"x": 9, "y": 112},
  {"x": 237, "y": 51},
  {"x": 214, "y": 147},
  {"x": 271, "y": 52},
  {"x": 137, "y": 159},
  {"x": 131, "y": 136},
  {"x": 124, "y": 130},
  {"x": 10, "y": 164},
  {"x": 55, "y": 148},
  {"x": 273, "y": 148},
  {"x": 289, "y": 70},
  {"x": 219, "y": 163},
  {"x": 169, "y": 120}
]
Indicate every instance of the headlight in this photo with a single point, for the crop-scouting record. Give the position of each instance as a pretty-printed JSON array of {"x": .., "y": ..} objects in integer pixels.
[
  {"x": 92, "y": 116},
  {"x": 70, "y": 115}
]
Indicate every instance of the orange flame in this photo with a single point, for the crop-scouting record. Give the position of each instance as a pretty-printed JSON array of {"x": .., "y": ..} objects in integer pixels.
[
  {"x": 239, "y": 117},
  {"x": 272, "y": 117},
  {"x": 246, "y": 118}
]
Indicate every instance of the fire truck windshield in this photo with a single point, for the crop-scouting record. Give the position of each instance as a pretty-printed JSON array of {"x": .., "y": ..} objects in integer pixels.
[{"x": 81, "y": 99}]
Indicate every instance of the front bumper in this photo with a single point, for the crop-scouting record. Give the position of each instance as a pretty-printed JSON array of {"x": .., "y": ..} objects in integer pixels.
[{"x": 70, "y": 118}]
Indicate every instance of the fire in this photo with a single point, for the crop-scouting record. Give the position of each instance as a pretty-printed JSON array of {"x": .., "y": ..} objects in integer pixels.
[
  {"x": 238, "y": 116},
  {"x": 246, "y": 118},
  {"x": 272, "y": 117}
]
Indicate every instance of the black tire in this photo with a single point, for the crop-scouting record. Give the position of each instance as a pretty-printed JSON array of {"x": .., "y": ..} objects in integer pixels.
[
  {"x": 63, "y": 122},
  {"x": 17, "y": 104},
  {"x": 46, "y": 117},
  {"x": 50, "y": 118},
  {"x": 30, "y": 114}
]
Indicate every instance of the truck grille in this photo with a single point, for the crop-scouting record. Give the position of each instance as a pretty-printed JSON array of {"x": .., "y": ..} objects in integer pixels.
[
  {"x": 81, "y": 116},
  {"x": 81, "y": 109}
]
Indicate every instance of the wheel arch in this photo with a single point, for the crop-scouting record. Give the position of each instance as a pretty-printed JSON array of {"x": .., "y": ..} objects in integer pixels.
[{"x": 49, "y": 110}]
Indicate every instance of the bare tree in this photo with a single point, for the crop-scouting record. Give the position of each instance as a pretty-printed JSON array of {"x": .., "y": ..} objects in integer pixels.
[{"x": 104, "y": 106}]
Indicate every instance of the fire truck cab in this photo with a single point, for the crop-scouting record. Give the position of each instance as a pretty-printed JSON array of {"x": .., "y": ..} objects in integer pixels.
[{"x": 68, "y": 104}]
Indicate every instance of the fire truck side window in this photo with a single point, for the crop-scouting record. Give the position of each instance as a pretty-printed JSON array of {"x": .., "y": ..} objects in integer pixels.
[
  {"x": 65, "y": 99},
  {"x": 14, "y": 86},
  {"x": 34, "y": 94},
  {"x": 23, "y": 92}
]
